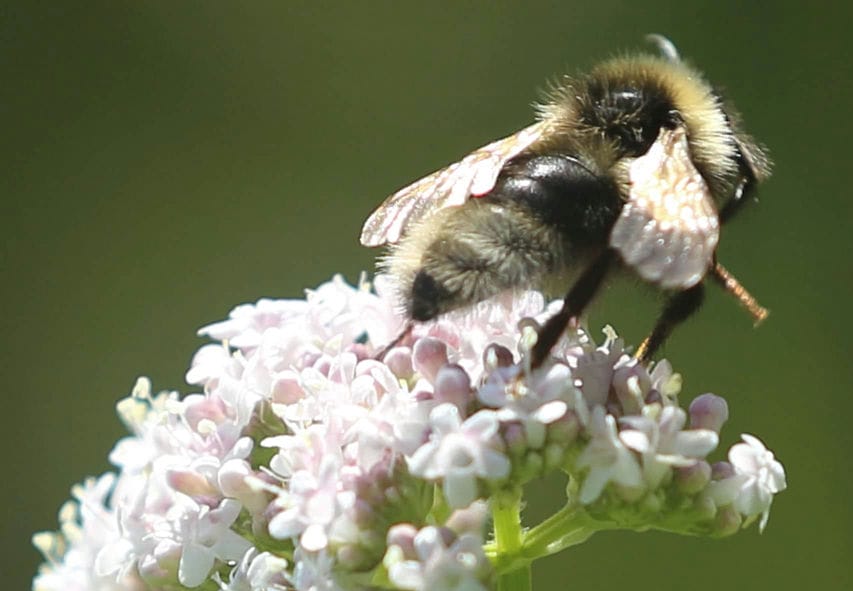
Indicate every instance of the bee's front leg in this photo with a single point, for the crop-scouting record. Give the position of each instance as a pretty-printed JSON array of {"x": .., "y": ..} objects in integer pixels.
[
  {"x": 404, "y": 334},
  {"x": 678, "y": 308},
  {"x": 576, "y": 300}
]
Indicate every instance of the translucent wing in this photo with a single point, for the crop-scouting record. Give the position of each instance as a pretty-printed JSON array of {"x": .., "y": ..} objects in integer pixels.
[
  {"x": 668, "y": 230},
  {"x": 474, "y": 175}
]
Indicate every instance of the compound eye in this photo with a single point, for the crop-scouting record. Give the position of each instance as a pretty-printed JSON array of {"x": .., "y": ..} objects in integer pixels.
[
  {"x": 632, "y": 114},
  {"x": 628, "y": 99},
  {"x": 645, "y": 114}
]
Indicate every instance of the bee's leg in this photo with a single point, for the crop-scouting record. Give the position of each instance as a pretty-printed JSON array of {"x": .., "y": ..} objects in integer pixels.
[
  {"x": 732, "y": 285},
  {"x": 407, "y": 330},
  {"x": 574, "y": 303},
  {"x": 679, "y": 308}
]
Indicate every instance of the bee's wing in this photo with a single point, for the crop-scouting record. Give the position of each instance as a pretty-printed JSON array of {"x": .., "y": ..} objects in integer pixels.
[
  {"x": 668, "y": 229},
  {"x": 472, "y": 176}
]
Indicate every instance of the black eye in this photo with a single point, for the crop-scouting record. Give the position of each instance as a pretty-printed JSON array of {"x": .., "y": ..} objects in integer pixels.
[
  {"x": 632, "y": 116},
  {"x": 627, "y": 100}
]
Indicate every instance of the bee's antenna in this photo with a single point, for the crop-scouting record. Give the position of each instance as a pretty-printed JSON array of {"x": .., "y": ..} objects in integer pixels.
[{"x": 665, "y": 46}]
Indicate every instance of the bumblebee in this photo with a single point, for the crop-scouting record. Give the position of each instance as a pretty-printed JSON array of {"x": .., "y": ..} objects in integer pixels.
[{"x": 635, "y": 165}]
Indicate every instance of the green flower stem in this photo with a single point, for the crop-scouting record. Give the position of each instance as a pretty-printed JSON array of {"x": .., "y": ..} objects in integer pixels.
[
  {"x": 517, "y": 580},
  {"x": 506, "y": 514},
  {"x": 568, "y": 527}
]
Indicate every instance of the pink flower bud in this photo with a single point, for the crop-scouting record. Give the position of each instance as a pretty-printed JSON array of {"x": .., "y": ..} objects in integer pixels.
[
  {"x": 728, "y": 521},
  {"x": 403, "y": 535},
  {"x": 468, "y": 520},
  {"x": 708, "y": 412},
  {"x": 399, "y": 361},
  {"x": 360, "y": 350},
  {"x": 286, "y": 388},
  {"x": 515, "y": 439},
  {"x": 692, "y": 479},
  {"x": 200, "y": 408},
  {"x": 722, "y": 470},
  {"x": 191, "y": 483},
  {"x": 453, "y": 385},
  {"x": 429, "y": 356}
]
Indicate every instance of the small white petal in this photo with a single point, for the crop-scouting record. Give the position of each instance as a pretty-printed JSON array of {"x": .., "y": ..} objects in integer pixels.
[
  {"x": 421, "y": 462},
  {"x": 636, "y": 440},
  {"x": 460, "y": 488},
  {"x": 484, "y": 424},
  {"x": 697, "y": 443},
  {"x": 445, "y": 418},
  {"x": 550, "y": 412},
  {"x": 593, "y": 485},
  {"x": 285, "y": 524},
  {"x": 195, "y": 565},
  {"x": 314, "y": 538}
]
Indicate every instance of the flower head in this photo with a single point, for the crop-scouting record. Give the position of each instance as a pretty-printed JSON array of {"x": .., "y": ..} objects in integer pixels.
[{"x": 310, "y": 457}]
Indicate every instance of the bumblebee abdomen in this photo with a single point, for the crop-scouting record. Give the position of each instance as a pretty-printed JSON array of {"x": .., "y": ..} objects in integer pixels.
[
  {"x": 544, "y": 213},
  {"x": 479, "y": 250}
]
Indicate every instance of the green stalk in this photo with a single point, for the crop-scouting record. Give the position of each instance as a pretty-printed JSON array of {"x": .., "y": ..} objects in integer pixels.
[
  {"x": 568, "y": 527},
  {"x": 506, "y": 514}
]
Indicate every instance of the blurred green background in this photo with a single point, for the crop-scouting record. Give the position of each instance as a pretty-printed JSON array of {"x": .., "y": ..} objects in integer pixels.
[{"x": 163, "y": 162}]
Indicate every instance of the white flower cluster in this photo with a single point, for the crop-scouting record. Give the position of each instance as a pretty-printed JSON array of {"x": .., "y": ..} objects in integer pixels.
[{"x": 307, "y": 463}]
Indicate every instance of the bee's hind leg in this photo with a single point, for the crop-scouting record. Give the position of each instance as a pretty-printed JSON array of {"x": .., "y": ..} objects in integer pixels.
[
  {"x": 404, "y": 334},
  {"x": 678, "y": 308},
  {"x": 580, "y": 294}
]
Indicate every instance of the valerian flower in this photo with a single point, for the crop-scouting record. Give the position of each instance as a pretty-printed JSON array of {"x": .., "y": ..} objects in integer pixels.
[
  {"x": 459, "y": 453},
  {"x": 312, "y": 458},
  {"x": 755, "y": 477}
]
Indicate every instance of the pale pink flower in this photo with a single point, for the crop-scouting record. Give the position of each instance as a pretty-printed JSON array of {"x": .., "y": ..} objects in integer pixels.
[
  {"x": 659, "y": 438},
  {"x": 757, "y": 477},
  {"x": 460, "y": 453},
  {"x": 606, "y": 458}
]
